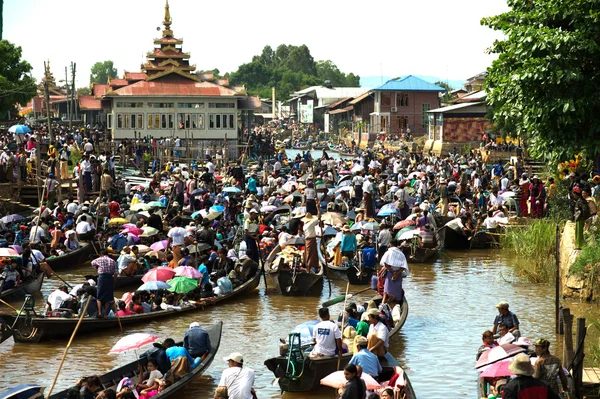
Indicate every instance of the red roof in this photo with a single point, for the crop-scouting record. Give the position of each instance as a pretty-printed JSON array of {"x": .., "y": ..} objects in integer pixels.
[
  {"x": 89, "y": 103},
  {"x": 183, "y": 88},
  {"x": 169, "y": 53},
  {"x": 135, "y": 76},
  {"x": 118, "y": 82},
  {"x": 100, "y": 89}
]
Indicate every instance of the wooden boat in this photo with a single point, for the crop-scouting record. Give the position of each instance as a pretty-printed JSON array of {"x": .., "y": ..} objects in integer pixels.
[
  {"x": 35, "y": 328},
  {"x": 485, "y": 240},
  {"x": 30, "y": 287},
  {"x": 317, "y": 146},
  {"x": 293, "y": 282},
  {"x": 301, "y": 148},
  {"x": 23, "y": 391},
  {"x": 420, "y": 255},
  {"x": 122, "y": 281},
  {"x": 314, "y": 369},
  {"x": 112, "y": 378},
  {"x": 452, "y": 239},
  {"x": 73, "y": 258}
]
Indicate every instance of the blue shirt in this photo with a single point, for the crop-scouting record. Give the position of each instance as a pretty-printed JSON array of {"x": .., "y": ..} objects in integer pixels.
[
  {"x": 178, "y": 351},
  {"x": 348, "y": 243},
  {"x": 204, "y": 270},
  {"x": 252, "y": 185},
  {"x": 225, "y": 285},
  {"x": 368, "y": 361},
  {"x": 369, "y": 257}
]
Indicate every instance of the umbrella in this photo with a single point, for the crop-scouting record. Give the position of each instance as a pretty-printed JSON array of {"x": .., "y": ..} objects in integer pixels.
[
  {"x": 133, "y": 237},
  {"x": 8, "y": 252},
  {"x": 232, "y": 189},
  {"x": 193, "y": 215},
  {"x": 334, "y": 218},
  {"x": 140, "y": 206},
  {"x": 19, "y": 129},
  {"x": 366, "y": 226},
  {"x": 329, "y": 231},
  {"x": 388, "y": 209},
  {"x": 136, "y": 231},
  {"x": 500, "y": 369},
  {"x": 148, "y": 231},
  {"x": 16, "y": 248},
  {"x": 404, "y": 230},
  {"x": 158, "y": 274},
  {"x": 268, "y": 208},
  {"x": 132, "y": 342},
  {"x": 188, "y": 271},
  {"x": 357, "y": 168},
  {"x": 182, "y": 285},
  {"x": 202, "y": 246},
  {"x": 213, "y": 215},
  {"x": 408, "y": 235},
  {"x": 498, "y": 353},
  {"x": 117, "y": 221},
  {"x": 351, "y": 214},
  {"x": 143, "y": 248},
  {"x": 347, "y": 178},
  {"x": 157, "y": 204},
  {"x": 153, "y": 286},
  {"x": 289, "y": 186},
  {"x": 199, "y": 191},
  {"x": 296, "y": 241},
  {"x": 508, "y": 194},
  {"x": 306, "y": 331},
  {"x": 160, "y": 245},
  {"x": 300, "y": 210},
  {"x": 138, "y": 188},
  {"x": 11, "y": 218},
  {"x": 343, "y": 188},
  {"x": 404, "y": 223},
  {"x": 345, "y": 183},
  {"x": 337, "y": 380},
  {"x": 217, "y": 208},
  {"x": 157, "y": 254}
]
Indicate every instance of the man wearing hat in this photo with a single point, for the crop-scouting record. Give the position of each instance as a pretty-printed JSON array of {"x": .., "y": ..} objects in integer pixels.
[
  {"x": 507, "y": 318},
  {"x": 365, "y": 358},
  {"x": 197, "y": 341},
  {"x": 236, "y": 380},
  {"x": 548, "y": 368},
  {"x": 311, "y": 254},
  {"x": 525, "y": 385}
]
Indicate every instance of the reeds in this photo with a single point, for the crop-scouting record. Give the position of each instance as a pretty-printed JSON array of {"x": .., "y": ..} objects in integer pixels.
[{"x": 534, "y": 247}]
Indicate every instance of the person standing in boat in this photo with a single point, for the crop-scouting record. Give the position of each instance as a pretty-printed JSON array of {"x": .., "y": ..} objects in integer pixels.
[
  {"x": 311, "y": 254},
  {"x": 310, "y": 195},
  {"x": 395, "y": 268},
  {"x": 107, "y": 274},
  {"x": 251, "y": 227},
  {"x": 507, "y": 318},
  {"x": 548, "y": 368}
]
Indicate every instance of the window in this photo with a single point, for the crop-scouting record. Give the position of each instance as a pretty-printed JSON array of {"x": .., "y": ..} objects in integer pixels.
[
  {"x": 190, "y": 105},
  {"x": 401, "y": 100},
  {"x": 386, "y": 99},
  {"x": 140, "y": 121},
  {"x": 190, "y": 121},
  {"x": 211, "y": 121},
  {"x": 171, "y": 121},
  {"x": 425, "y": 116},
  {"x": 221, "y": 105},
  {"x": 224, "y": 121},
  {"x": 109, "y": 121},
  {"x": 231, "y": 122},
  {"x": 150, "y": 124},
  {"x": 119, "y": 121},
  {"x": 218, "y": 118},
  {"x": 402, "y": 122},
  {"x": 128, "y": 121},
  {"x": 129, "y": 105},
  {"x": 163, "y": 121},
  {"x": 200, "y": 121},
  {"x": 157, "y": 121},
  {"x": 160, "y": 105}
]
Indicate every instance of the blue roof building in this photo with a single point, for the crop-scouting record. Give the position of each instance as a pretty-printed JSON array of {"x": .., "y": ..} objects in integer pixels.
[{"x": 409, "y": 83}]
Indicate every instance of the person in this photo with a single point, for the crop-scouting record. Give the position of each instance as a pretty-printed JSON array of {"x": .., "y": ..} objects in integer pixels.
[
  {"x": 224, "y": 284},
  {"x": 127, "y": 261},
  {"x": 395, "y": 268},
  {"x": 326, "y": 335},
  {"x": 124, "y": 310},
  {"x": 581, "y": 212},
  {"x": 84, "y": 229},
  {"x": 176, "y": 237},
  {"x": 51, "y": 185},
  {"x": 236, "y": 380},
  {"x": 385, "y": 239},
  {"x": 378, "y": 335},
  {"x": 525, "y": 385},
  {"x": 311, "y": 253},
  {"x": 60, "y": 298},
  {"x": 173, "y": 352},
  {"x": 251, "y": 227},
  {"x": 548, "y": 368},
  {"x": 92, "y": 388},
  {"x": 348, "y": 244},
  {"x": 197, "y": 341},
  {"x": 355, "y": 386},
  {"x": 107, "y": 275},
  {"x": 365, "y": 358},
  {"x": 488, "y": 343},
  {"x": 505, "y": 337},
  {"x": 387, "y": 393},
  {"x": 508, "y": 318}
]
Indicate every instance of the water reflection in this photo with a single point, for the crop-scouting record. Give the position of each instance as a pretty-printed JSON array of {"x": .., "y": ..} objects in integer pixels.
[{"x": 451, "y": 303}]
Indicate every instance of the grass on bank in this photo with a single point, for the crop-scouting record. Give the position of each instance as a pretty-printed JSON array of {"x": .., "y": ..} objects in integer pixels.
[{"x": 534, "y": 246}]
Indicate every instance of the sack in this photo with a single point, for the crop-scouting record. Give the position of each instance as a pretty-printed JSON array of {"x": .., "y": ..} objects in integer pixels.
[{"x": 221, "y": 393}]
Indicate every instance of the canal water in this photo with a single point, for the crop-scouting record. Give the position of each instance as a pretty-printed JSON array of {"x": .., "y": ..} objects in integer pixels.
[{"x": 451, "y": 303}]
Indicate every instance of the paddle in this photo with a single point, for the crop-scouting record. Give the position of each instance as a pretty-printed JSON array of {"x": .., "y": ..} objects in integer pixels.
[
  {"x": 9, "y": 305},
  {"x": 62, "y": 361},
  {"x": 343, "y": 317},
  {"x": 61, "y": 279},
  {"x": 325, "y": 265},
  {"x": 342, "y": 298}
]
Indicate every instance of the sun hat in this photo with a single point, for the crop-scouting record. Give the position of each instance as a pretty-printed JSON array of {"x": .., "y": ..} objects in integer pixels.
[
  {"x": 194, "y": 324},
  {"x": 502, "y": 305},
  {"x": 346, "y": 228},
  {"x": 362, "y": 341},
  {"x": 249, "y": 205},
  {"x": 544, "y": 343},
  {"x": 235, "y": 356},
  {"x": 308, "y": 217},
  {"x": 521, "y": 365},
  {"x": 253, "y": 210},
  {"x": 373, "y": 312},
  {"x": 596, "y": 179}
]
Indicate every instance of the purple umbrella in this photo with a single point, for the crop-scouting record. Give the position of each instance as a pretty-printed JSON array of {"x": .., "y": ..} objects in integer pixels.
[
  {"x": 160, "y": 245},
  {"x": 135, "y": 238},
  {"x": 17, "y": 248},
  {"x": 187, "y": 271}
]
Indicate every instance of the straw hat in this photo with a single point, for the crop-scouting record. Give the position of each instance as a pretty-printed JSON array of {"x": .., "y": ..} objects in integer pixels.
[
  {"x": 308, "y": 217},
  {"x": 346, "y": 228},
  {"x": 521, "y": 365},
  {"x": 373, "y": 312},
  {"x": 544, "y": 343},
  {"x": 249, "y": 205},
  {"x": 596, "y": 179},
  {"x": 502, "y": 305}
]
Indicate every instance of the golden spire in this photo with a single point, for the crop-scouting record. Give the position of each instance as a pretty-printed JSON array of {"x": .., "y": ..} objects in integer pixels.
[{"x": 167, "y": 21}]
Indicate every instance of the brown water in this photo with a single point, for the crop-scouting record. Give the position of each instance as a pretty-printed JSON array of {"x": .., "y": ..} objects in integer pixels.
[{"x": 451, "y": 304}]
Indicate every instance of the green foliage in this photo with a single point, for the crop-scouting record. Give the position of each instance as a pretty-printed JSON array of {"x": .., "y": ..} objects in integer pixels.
[
  {"x": 101, "y": 71},
  {"x": 543, "y": 85},
  {"x": 288, "y": 69},
  {"x": 16, "y": 83},
  {"x": 447, "y": 95},
  {"x": 84, "y": 91},
  {"x": 587, "y": 258},
  {"x": 534, "y": 246}
]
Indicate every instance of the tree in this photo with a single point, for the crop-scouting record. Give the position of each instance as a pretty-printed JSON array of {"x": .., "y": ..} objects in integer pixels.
[
  {"x": 544, "y": 84},
  {"x": 327, "y": 70},
  {"x": 17, "y": 86},
  {"x": 300, "y": 60},
  {"x": 101, "y": 71},
  {"x": 448, "y": 94},
  {"x": 1, "y": 17},
  {"x": 84, "y": 91}
]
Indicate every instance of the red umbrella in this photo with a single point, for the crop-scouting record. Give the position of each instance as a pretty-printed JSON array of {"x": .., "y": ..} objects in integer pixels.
[
  {"x": 159, "y": 274},
  {"x": 498, "y": 353},
  {"x": 132, "y": 342}
]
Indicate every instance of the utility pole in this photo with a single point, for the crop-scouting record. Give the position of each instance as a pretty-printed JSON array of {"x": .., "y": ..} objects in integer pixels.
[
  {"x": 73, "y": 95},
  {"x": 67, "y": 87},
  {"x": 47, "y": 94},
  {"x": 274, "y": 105}
]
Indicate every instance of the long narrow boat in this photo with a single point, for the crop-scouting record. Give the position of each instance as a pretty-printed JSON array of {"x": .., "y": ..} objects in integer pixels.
[
  {"x": 419, "y": 254},
  {"x": 314, "y": 369},
  {"x": 73, "y": 258},
  {"x": 292, "y": 282},
  {"x": 112, "y": 378},
  {"x": 485, "y": 240},
  {"x": 23, "y": 391},
  {"x": 35, "y": 328},
  {"x": 30, "y": 287},
  {"x": 122, "y": 281},
  {"x": 452, "y": 239}
]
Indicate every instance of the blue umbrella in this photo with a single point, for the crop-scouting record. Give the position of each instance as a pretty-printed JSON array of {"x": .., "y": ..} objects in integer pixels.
[
  {"x": 11, "y": 218},
  {"x": 388, "y": 209},
  {"x": 217, "y": 208},
  {"x": 195, "y": 214},
  {"x": 19, "y": 129},
  {"x": 306, "y": 331},
  {"x": 232, "y": 189},
  {"x": 153, "y": 286}
]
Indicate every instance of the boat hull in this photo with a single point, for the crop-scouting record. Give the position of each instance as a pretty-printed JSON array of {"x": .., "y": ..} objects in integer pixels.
[
  {"x": 122, "y": 281},
  {"x": 72, "y": 259},
  {"x": 452, "y": 239},
  {"x": 31, "y": 287},
  {"x": 303, "y": 284},
  {"x": 420, "y": 255}
]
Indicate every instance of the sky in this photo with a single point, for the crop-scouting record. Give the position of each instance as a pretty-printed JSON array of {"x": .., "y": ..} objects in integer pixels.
[{"x": 387, "y": 37}]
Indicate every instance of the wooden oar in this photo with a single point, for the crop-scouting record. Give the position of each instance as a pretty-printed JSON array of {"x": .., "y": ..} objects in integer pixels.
[
  {"x": 342, "y": 298},
  {"x": 262, "y": 266},
  {"x": 343, "y": 317},
  {"x": 9, "y": 305},
  {"x": 325, "y": 265},
  {"x": 62, "y": 361},
  {"x": 61, "y": 279}
]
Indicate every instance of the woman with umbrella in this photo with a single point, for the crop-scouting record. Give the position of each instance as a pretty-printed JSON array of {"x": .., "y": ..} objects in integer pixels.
[{"x": 395, "y": 268}]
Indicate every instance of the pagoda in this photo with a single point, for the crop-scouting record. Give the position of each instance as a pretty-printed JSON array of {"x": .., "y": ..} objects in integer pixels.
[
  {"x": 167, "y": 56},
  {"x": 53, "y": 89}
]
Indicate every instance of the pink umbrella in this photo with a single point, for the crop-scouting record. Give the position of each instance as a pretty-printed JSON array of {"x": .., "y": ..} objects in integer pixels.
[
  {"x": 160, "y": 245},
  {"x": 8, "y": 252},
  {"x": 188, "y": 271},
  {"x": 133, "y": 237},
  {"x": 133, "y": 341},
  {"x": 133, "y": 229},
  {"x": 337, "y": 380},
  {"x": 500, "y": 369},
  {"x": 498, "y": 353},
  {"x": 159, "y": 274}
]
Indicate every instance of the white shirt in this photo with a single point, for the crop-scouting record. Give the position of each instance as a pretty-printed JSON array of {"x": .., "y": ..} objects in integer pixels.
[
  {"x": 504, "y": 183},
  {"x": 309, "y": 228},
  {"x": 56, "y": 298},
  {"x": 455, "y": 224},
  {"x": 36, "y": 234},
  {"x": 490, "y": 223},
  {"x": 177, "y": 234},
  {"x": 238, "y": 381},
  {"x": 367, "y": 186},
  {"x": 381, "y": 331},
  {"x": 88, "y": 147},
  {"x": 211, "y": 167},
  {"x": 325, "y": 333},
  {"x": 83, "y": 227},
  {"x": 72, "y": 207}
]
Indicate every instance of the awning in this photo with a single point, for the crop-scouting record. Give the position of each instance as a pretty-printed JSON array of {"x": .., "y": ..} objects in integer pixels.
[
  {"x": 341, "y": 110},
  {"x": 360, "y": 98}
]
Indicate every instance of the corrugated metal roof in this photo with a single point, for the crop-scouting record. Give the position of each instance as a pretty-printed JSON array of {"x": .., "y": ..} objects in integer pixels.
[
  {"x": 453, "y": 107},
  {"x": 184, "y": 88},
  {"x": 135, "y": 76},
  {"x": 472, "y": 97},
  {"x": 409, "y": 83},
  {"x": 338, "y": 102},
  {"x": 341, "y": 110},
  {"x": 335, "y": 92},
  {"x": 118, "y": 82},
  {"x": 360, "y": 98},
  {"x": 89, "y": 103}
]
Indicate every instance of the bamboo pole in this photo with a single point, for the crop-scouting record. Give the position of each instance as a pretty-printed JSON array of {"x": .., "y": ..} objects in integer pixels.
[
  {"x": 62, "y": 361},
  {"x": 9, "y": 305},
  {"x": 343, "y": 317}
]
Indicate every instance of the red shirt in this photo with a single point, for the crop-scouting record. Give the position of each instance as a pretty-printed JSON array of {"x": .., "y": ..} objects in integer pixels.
[{"x": 114, "y": 208}]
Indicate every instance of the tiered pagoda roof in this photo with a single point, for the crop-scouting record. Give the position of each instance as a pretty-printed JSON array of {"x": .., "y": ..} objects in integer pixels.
[{"x": 53, "y": 89}]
